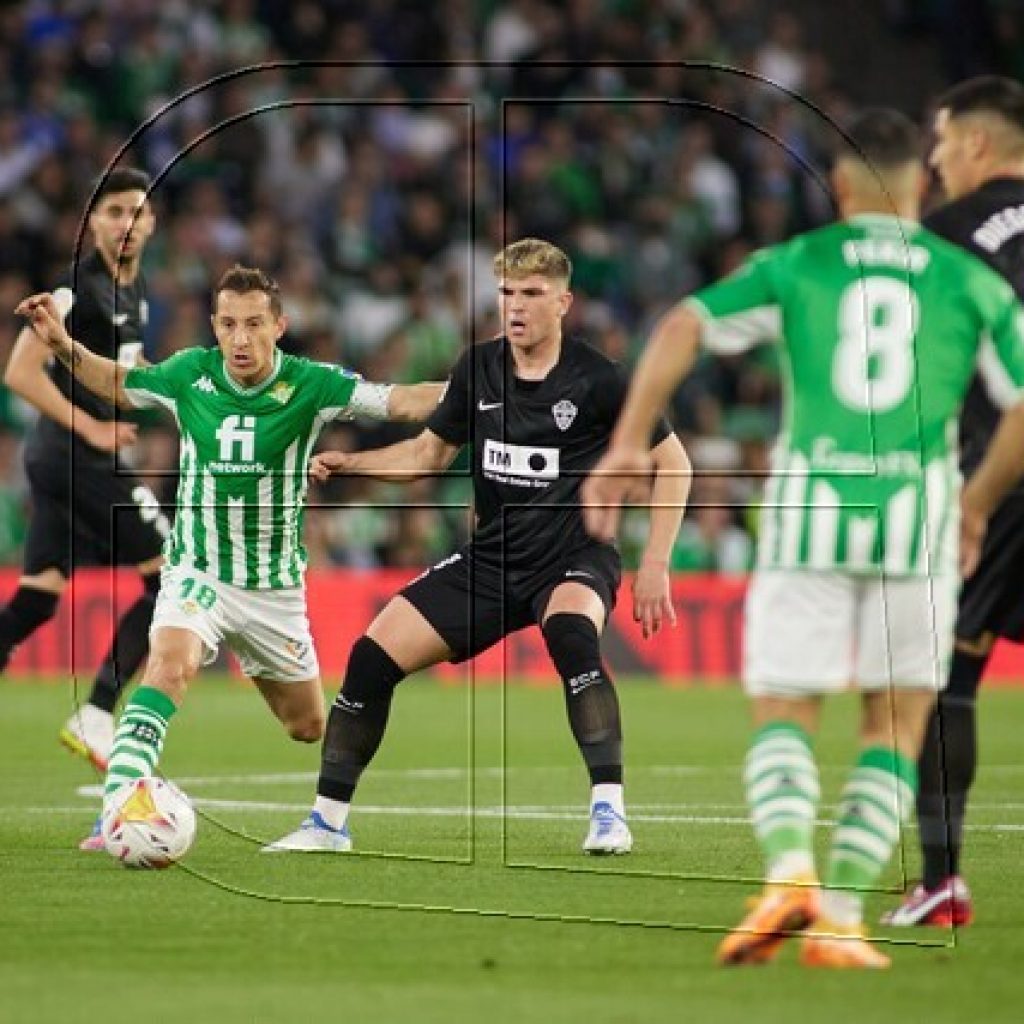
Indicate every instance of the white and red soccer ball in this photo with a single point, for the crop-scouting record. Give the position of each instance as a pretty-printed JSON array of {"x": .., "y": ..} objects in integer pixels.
[{"x": 148, "y": 823}]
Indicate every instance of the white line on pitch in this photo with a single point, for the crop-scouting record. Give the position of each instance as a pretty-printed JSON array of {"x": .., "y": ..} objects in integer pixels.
[{"x": 516, "y": 813}]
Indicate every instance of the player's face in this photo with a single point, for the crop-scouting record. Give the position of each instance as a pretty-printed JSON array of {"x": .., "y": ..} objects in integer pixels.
[
  {"x": 247, "y": 332},
  {"x": 952, "y": 154},
  {"x": 121, "y": 225},
  {"x": 532, "y": 308}
]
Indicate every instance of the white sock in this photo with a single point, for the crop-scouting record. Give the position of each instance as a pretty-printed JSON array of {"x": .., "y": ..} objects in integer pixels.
[
  {"x": 608, "y": 793},
  {"x": 334, "y": 812},
  {"x": 792, "y": 866},
  {"x": 843, "y": 908}
]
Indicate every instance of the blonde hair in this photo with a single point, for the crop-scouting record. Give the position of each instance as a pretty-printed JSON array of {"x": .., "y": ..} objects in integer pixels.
[{"x": 533, "y": 256}]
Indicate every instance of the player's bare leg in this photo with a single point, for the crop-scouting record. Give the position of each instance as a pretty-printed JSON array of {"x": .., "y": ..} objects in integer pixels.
[
  {"x": 781, "y": 779},
  {"x": 877, "y": 799},
  {"x": 175, "y": 657},
  {"x": 298, "y": 706},
  {"x": 398, "y": 642},
  {"x": 572, "y": 623}
]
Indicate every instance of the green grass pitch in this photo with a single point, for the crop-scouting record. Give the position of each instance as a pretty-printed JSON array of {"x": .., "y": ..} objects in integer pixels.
[{"x": 447, "y": 915}]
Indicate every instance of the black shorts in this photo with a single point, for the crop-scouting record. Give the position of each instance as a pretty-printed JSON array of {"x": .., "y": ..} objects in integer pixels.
[
  {"x": 992, "y": 599},
  {"x": 473, "y": 604},
  {"x": 87, "y": 513}
]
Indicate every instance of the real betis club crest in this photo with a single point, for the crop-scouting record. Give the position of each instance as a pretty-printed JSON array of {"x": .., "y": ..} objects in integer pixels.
[
  {"x": 282, "y": 391},
  {"x": 565, "y": 413}
]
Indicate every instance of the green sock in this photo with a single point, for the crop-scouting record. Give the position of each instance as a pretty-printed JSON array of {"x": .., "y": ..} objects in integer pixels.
[
  {"x": 781, "y": 780},
  {"x": 139, "y": 738},
  {"x": 878, "y": 797}
]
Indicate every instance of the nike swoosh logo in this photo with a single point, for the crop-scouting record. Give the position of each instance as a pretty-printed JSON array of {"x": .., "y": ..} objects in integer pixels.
[
  {"x": 119, "y": 319},
  {"x": 487, "y": 406},
  {"x": 579, "y": 572}
]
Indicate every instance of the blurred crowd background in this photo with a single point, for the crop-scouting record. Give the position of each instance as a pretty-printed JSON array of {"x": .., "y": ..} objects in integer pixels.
[{"x": 377, "y": 188}]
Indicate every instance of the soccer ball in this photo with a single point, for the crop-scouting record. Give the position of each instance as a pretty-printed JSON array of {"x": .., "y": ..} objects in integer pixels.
[{"x": 148, "y": 823}]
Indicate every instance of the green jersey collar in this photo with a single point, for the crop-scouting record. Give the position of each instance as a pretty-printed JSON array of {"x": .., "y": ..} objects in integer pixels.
[{"x": 256, "y": 388}]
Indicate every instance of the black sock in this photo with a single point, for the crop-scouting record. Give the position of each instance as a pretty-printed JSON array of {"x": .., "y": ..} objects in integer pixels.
[
  {"x": 128, "y": 648},
  {"x": 24, "y": 614},
  {"x": 358, "y": 718},
  {"x": 946, "y": 770},
  {"x": 590, "y": 698}
]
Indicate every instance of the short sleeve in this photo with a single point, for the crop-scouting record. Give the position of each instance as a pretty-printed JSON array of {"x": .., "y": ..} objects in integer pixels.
[
  {"x": 451, "y": 420},
  {"x": 161, "y": 383},
  {"x": 337, "y": 385},
  {"x": 742, "y": 309}
]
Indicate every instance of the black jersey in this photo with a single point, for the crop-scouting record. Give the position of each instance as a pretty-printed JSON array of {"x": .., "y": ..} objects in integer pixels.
[
  {"x": 106, "y": 319},
  {"x": 990, "y": 223},
  {"x": 533, "y": 443}
]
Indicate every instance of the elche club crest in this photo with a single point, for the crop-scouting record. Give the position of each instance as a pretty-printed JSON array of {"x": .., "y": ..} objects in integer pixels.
[{"x": 564, "y": 412}]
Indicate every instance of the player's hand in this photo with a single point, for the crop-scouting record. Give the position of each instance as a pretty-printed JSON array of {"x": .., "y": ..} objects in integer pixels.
[
  {"x": 42, "y": 313},
  {"x": 652, "y": 598},
  {"x": 326, "y": 464},
  {"x": 973, "y": 525},
  {"x": 106, "y": 435},
  {"x": 622, "y": 475}
]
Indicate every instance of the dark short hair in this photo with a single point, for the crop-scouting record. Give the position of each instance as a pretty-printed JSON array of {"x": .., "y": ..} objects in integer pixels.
[
  {"x": 986, "y": 94},
  {"x": 241, "y": 279},
  {"x": 881, "y": 137},
  {"x": 123, "y": 179}
]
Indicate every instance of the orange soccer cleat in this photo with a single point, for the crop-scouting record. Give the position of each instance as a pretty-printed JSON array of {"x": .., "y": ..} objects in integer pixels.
[
  {"x": 782, "y": 911},
  {"x": 833, "y": 945}
]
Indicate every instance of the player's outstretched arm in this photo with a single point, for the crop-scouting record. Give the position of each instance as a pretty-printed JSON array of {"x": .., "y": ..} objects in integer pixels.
[
  {"x": 101, "y": 376},
  {"x": 623, "y": 471},
  {"x": 413, "y": 403},
  {"x": 652, "y": 601},
  {"x": 26, "y": 375},
  {"x": 404, "y": 462}
]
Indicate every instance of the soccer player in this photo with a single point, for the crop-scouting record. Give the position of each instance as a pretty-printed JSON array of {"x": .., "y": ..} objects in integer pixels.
[
  {"x": 979, "y": 156},
  {"x": 537, "y": 410},
  {"x": 71, "y": 457},
  {"x": 881, "y": 325},
  {"x": 249, "y": 416}
]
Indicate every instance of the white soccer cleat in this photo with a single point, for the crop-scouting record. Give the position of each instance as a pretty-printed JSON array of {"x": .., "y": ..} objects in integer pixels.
[
  {"x": 89, "y": 732},
  {"x": 608, "y": 833},
  {"x": 312, "y": 836}
]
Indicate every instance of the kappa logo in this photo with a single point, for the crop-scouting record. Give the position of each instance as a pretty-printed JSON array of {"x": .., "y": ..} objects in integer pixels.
[
  {"x": 206, "y": 385},
  {"x": 564, "y": 413}
]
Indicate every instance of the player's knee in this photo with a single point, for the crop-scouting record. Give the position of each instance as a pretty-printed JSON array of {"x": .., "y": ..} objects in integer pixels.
[
  {"x": 170, "y": 673},
  {"x": 575, "y": 648},
  {"x": 371, "y": 675},
  {"x": 308, "y": 728}
]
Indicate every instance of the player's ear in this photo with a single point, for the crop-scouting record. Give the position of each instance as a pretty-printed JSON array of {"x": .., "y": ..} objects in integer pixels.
[{"x": 566, "y": 301}]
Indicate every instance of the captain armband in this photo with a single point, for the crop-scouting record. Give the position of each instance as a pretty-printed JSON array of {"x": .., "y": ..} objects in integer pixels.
[{"x": 370, "y": 400}]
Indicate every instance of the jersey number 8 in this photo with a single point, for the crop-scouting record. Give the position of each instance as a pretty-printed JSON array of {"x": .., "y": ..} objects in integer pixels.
[{"x": 873, "y": 366}]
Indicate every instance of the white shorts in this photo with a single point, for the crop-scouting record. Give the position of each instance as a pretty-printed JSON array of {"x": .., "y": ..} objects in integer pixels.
[
  {"x": 817, "y": 632},
  {"x": 267, "y": 630}
]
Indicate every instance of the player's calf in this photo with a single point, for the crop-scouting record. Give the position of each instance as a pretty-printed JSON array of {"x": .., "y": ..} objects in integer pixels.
[
  {"x": 27, "y": 610},
  {"x": 593, "y": 709}
]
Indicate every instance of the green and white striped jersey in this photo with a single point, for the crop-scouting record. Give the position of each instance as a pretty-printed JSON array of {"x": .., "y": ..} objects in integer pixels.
[
  {"x": 243, "y": 459},
  {"x": 881, "y": 326}
]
